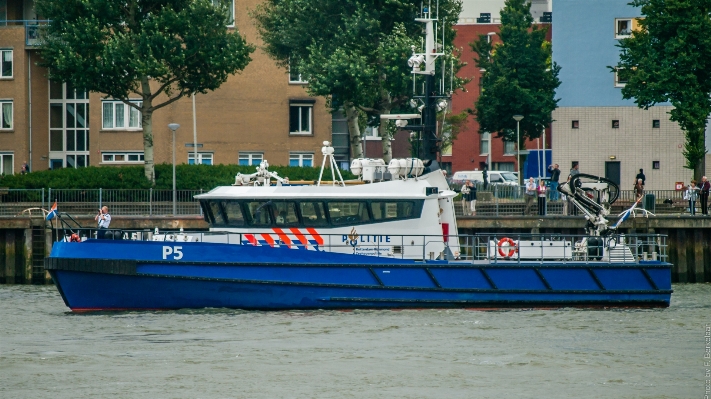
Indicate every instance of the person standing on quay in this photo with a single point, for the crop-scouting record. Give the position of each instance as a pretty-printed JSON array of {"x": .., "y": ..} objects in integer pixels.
[
  {"x": 472, "y": 198},
  {"x": 465, "y": 197},
  {"x": 640, "y": 175},
  {"x": 104, "y": 220},
  {"x": 705, "y": 187},
  {"x": 541, "y": 189},
  {"x": 691, "y": 194},
  {"x": 575, "y": 170},
  {"x": 530, "y": 195},
  {"x": 555, "y": 176}
]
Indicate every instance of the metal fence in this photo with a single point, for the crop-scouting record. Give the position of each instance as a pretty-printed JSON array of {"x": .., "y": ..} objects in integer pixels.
[
  {"x": 138, "y": 202},
  {"x": 495, "y": 200},
  {"x": 501, "y": 200}
]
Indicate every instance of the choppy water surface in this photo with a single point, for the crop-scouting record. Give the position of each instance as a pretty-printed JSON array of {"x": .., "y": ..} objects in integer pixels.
[{"x": 48, "y": 352}]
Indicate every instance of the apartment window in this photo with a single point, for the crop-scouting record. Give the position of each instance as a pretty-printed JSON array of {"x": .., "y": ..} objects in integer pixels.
[
  {"x": 204, "y": 158},
  {"x": 503, "y": 166},
  {"x": 623, "y": 27},
  {"x": 656, "y": 124},
  {"x": 122, "y": 157},
  {"x": 484, "y": 139},
  {"x": 299, "y": 159},
  {"x": 6, "y": 163},
  {"x": 300, "y": 117},
  {"x": 230, "y": 11},
  {"x": 117, "y": 115},
  {"x": 5, "y": 114},
  {"x": 509, "y": 148},
  {"x": 621, "y": 77},
  {"x": 5, "y": 63},
  {"x": 250, "y": 158},
  {"x": 575, "y": 125},
  {"x": 295, "y": 76},
  {"x": 68, "y": 126},
  {"x": 655, "y": 164},
  {"x": 372, "y": 133},
  {"x": 615, "y": 124}
]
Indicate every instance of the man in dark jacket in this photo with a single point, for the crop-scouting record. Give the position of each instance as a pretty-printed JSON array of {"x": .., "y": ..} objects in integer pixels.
[
  {"x": 640, "y": 175},
  {"x": 704, "y": 195},
  {"x": 555, "y": 176}
]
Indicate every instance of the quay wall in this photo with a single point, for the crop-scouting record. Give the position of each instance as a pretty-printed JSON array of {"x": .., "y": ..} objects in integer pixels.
[{"x": 24, "y": 242}]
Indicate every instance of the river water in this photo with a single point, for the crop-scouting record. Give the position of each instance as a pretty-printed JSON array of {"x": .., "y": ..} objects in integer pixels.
[{"x": 48, "y": 352}]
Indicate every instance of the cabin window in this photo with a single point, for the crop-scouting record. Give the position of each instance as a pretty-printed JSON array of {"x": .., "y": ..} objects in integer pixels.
[
  {"x": 285, "y": 213},
  {"x": 258, "y": 213},
  {"x": 348, "y": 212},
  {"x": 392, "y": 210},
  {"x": 313, "y": 214},
  {"x": 233, "y": 212},
  {"x": 217, "y": 216}
]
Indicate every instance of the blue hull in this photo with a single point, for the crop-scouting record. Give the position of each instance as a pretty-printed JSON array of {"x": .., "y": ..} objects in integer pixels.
[{"x": 143, "y": 275}]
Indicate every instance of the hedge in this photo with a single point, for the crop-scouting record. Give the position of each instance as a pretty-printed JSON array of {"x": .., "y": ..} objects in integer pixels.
[{"x": 189, "y": 177}]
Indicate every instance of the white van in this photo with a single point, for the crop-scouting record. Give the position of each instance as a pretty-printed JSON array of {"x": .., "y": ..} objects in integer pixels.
[{"x": 494, "y": 177}]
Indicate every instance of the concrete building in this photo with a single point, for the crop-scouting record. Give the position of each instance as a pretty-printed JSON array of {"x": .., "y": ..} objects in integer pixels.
[
  {"x": 471, "y": 150},
  {"x": 261, "y": 113},
  {"x": 607, "y": 135}
]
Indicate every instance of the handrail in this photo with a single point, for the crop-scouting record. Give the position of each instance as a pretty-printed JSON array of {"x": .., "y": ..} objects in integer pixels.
[{"x": 467, "y": 249}]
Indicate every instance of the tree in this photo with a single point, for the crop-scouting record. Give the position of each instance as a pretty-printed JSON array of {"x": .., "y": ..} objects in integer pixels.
[
  {"x": 353, "y": 51},
  {"x": 519, "y": 77},
  {"x": 157, "y": 50},
  {"x": 668, "y": 59}
]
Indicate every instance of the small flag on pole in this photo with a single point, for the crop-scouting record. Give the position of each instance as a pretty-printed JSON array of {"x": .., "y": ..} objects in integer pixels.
[{"x": 52, "y": 211}]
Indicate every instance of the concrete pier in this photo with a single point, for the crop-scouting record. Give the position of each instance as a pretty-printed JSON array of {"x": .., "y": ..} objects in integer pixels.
[{"x": 22, "y": 240}]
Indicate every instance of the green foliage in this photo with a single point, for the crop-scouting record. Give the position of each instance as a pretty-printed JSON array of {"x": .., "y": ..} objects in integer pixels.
[
  {"x": 352, "y": 51},
  {"x": 188, "y": 177},
  {"x": 141, "y": 49},
  {"x": 519, "y": 77},
  {"x": 669, "y": 60}
]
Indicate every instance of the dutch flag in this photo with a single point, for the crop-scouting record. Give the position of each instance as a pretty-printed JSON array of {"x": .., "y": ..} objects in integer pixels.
[{"x": 52, "y": 211}]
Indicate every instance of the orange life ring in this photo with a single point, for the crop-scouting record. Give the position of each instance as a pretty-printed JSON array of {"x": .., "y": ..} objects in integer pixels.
[
  {"x": 74, "y": 238},
  {"x": 511, "y": 244}
]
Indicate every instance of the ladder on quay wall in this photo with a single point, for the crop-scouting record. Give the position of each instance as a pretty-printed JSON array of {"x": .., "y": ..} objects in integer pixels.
[{"x": 38, "y": 252}]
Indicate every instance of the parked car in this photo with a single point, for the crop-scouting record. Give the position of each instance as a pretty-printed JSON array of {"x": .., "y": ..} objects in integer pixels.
[{"x": 493, "y": 177}]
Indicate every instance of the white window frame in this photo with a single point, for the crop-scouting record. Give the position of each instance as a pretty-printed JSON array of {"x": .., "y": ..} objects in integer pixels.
[
  {"x": 127, "y": 111},
  {"x": 298, "y": 81},
  {"x": 125, "y": 154},
  {"x": 301, "y": 157},
  {"x": 232, "y": 12},
  {"x": 2, "y": 163},
  {"x": 250, "y": 157},
  {"x": 372, "y": 133},
  {"x": 3, "y": 107},
  {"x": 201, "y": 157},
  {"x": 617, "y": 79},
  {"x": 310, "y": 107},
  {"x": 3, "y": 54},
  {"x": 484, "y": 138},
  {"x": 624, "y": 34}
]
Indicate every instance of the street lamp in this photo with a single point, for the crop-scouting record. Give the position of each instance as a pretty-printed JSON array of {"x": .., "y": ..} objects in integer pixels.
[
  {"x": 174, "y": 127},
  {"x": 518, "y": 118}
]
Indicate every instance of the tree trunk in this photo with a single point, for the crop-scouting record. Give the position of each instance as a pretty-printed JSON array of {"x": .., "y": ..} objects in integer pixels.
[
  {"x": 385, "y": 136},
  {"x": 147, "y": 122},
  {"x": 354, "y": 133}
]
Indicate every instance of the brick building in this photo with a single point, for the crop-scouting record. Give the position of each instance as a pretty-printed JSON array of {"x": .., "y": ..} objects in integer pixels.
[
  {"x": 471, "y": 150},
  {"x": 261, "y": 113}
]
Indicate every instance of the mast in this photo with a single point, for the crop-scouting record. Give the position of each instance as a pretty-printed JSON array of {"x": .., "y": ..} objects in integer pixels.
[{"x": 424, "y": 64}]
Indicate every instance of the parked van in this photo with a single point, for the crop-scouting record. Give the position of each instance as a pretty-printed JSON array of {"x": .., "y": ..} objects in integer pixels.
[{"x": 494, "y": 177}]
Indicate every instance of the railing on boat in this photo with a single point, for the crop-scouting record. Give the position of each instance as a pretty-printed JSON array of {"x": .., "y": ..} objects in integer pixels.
[{"x": 487, "y": 248}]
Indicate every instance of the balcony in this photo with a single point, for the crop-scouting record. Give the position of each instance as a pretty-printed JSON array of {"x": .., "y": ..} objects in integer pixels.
[{"x": 32, "y": 29}]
